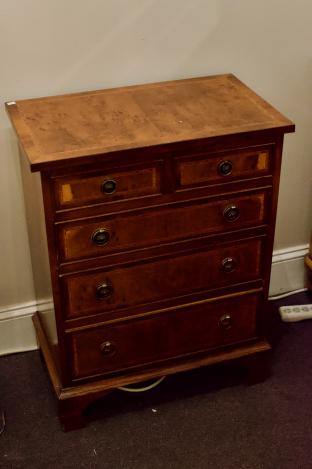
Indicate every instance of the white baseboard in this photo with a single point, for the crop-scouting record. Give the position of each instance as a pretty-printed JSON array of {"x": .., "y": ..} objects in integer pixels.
[
  {"x": 288, "y": 271},
  {"x": 17, "y": 332}
]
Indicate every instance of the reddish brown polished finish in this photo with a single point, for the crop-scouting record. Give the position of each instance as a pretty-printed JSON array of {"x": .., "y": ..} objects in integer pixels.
[
  {"x": 147, "y": 340},
  {"x": 160, "y": 204},
  {"x": 146, "y": 282},
  {"x": 106, "y": 186},
  {"x": 207, "y": 169},
  {"x": 153, "y": 227}
]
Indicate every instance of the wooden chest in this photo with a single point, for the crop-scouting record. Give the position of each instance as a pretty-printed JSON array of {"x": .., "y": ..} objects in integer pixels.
[{"x": 159, "y": 204}]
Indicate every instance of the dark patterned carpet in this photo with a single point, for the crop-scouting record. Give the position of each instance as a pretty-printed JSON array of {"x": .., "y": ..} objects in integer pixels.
[{"x": 197, "y": 420}]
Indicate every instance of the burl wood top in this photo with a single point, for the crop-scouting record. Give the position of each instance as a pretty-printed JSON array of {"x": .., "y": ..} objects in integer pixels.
[{"x": 56, "y": 128}]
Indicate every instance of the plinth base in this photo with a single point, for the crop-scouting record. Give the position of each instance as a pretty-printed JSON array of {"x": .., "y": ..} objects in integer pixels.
[{"x": 73, "y": 401}]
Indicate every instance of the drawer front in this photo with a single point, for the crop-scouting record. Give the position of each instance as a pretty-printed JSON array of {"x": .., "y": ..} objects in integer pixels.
[
  {"x": 153, "y": 227},
  {"x": 203, "y": 170},
  {"x": 86, "y": 294},
  {"x": 106, "y": 187},
  {"x": 173, "y": 334}
]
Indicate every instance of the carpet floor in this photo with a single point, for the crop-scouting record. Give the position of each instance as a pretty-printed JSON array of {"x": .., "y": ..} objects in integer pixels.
[{"x": 203, "y": 419}]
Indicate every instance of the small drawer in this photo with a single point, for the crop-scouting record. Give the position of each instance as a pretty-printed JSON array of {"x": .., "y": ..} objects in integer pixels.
[
  {"x": 203, "y": 170},
  {"x": 87, "y": 239},
  {"x": 146, "y": 282},
  {"x": 169, "y": 335},
  {"x": 106, "y": 186}
]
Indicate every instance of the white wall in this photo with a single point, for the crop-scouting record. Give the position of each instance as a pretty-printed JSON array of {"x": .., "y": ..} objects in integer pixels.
[{"x": 62, "y": 46}]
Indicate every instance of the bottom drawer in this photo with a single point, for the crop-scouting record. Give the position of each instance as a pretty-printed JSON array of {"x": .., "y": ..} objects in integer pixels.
[{"x": 149, "y": 339}]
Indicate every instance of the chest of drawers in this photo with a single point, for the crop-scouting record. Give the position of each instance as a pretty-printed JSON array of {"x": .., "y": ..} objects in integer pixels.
[{"x": 159, "y": 204}]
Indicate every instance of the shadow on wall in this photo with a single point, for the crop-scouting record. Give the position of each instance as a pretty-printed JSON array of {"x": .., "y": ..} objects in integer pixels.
[{"x": 16, "y": 284}]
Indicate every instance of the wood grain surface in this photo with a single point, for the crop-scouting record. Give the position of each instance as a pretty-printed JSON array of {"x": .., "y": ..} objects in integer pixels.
[
  {"x": 167, "y": 278},
  {"x": 205, "y": 169},
  {"x": 95, "y": 123},
  {"x": 86, "y": 188},
  {"x": 152, "y": 339},
  {"x": 154, "y": 227}
]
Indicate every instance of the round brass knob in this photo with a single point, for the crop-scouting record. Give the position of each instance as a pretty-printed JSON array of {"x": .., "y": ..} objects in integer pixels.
[
  {"x": 225, "y": 321},
  {"x": 109, "y": 186},
  {"x": 225, "y": 168},
  {"x": 104, "y": 290},
  {"x": 100, "y": 237},
  {"x": 107, "y": 347},
  {"x": 229, "y": 264},
  {"x": 231, "y": 212}
]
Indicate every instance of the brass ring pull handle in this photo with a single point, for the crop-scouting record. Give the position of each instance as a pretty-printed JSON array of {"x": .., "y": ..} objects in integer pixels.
[
  {"x": 109, "y": 186},
  {"x": 225, "y": 168},
  {"x": 225, "y": 322},
  {"x": 104, "y": 291},
  {"x": 231, "y": 213},
  {"x": 229, "y": 264},
  {"x": 100, "y": 237},
  {"x": 107, "y": 348}
]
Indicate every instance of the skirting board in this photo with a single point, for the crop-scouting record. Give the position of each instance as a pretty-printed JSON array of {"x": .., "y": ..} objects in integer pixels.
[
  {"x": 17, "y": 332},
  {"x": 288, "y": 270}
]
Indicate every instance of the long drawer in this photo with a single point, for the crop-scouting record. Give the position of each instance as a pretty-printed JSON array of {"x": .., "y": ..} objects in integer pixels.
[
  {"x": 145, "y": 282},
  {"x": 86, "y": 239},
  {"x": 190, "y": 329}
]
